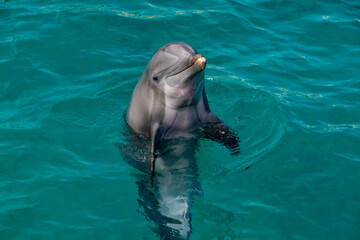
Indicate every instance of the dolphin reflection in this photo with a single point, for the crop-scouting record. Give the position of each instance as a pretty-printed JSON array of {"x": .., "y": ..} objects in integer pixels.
[{"x": 166, "y": 199}]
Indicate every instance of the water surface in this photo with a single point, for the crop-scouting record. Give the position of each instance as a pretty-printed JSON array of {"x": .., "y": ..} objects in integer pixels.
[{"x": 283, "y": 74}]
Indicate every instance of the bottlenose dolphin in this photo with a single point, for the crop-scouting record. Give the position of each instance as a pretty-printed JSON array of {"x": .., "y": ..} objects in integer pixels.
[{"x": 170, "y": 99}]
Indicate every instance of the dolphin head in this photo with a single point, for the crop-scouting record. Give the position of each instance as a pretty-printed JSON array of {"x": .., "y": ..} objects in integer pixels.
[{"x": 176, "y": 73}]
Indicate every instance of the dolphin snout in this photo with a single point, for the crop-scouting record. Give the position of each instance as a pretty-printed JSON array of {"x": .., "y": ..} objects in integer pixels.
[{"x": 200, "y": 62}]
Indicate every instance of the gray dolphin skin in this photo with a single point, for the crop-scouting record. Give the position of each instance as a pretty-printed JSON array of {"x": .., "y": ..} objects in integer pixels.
[{"x": 170, "y": 99}]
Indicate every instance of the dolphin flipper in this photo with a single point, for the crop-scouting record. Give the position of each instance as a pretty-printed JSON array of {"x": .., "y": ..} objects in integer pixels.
[
  {"x": 221, "y": 133},
  {"x": 156, "y": 132}
]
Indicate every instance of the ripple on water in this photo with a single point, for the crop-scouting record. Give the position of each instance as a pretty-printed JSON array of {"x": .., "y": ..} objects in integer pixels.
[{"x": 254, "y": 114}]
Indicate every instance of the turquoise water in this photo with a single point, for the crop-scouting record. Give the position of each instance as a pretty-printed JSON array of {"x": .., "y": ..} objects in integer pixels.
[{"x": 283, "y": 74}]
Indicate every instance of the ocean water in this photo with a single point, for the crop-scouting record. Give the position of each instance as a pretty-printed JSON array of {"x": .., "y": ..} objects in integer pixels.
[{"x": 284, "y": 75}]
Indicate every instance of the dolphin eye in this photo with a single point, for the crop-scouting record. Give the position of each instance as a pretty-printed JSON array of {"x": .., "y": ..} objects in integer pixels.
[{"x": 155, "y": 79}]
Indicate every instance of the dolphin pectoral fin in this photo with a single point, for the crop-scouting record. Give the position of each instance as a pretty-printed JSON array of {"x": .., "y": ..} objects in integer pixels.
[
  {"x": 221, "y": 133},
  {"x": 156, "y": 132}
]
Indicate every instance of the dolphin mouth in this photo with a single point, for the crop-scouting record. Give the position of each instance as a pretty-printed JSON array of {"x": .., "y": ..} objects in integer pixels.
[{"x": 198, "y": 62}]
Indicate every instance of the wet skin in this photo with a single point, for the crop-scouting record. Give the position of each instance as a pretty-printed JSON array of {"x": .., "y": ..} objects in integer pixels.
[{"x": 170, "y": 99}]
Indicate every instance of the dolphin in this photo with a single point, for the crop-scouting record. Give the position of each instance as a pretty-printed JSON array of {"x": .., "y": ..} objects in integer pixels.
[{"x": 170, "y": 100}]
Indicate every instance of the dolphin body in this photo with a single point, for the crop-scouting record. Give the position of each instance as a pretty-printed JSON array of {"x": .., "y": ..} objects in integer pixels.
[
  {"x": 166, "y": 200},
  {"x": 170, "y": 100}
]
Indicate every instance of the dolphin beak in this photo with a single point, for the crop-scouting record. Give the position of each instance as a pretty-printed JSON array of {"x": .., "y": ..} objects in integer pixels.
[{"x": 200, "y": 62}]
